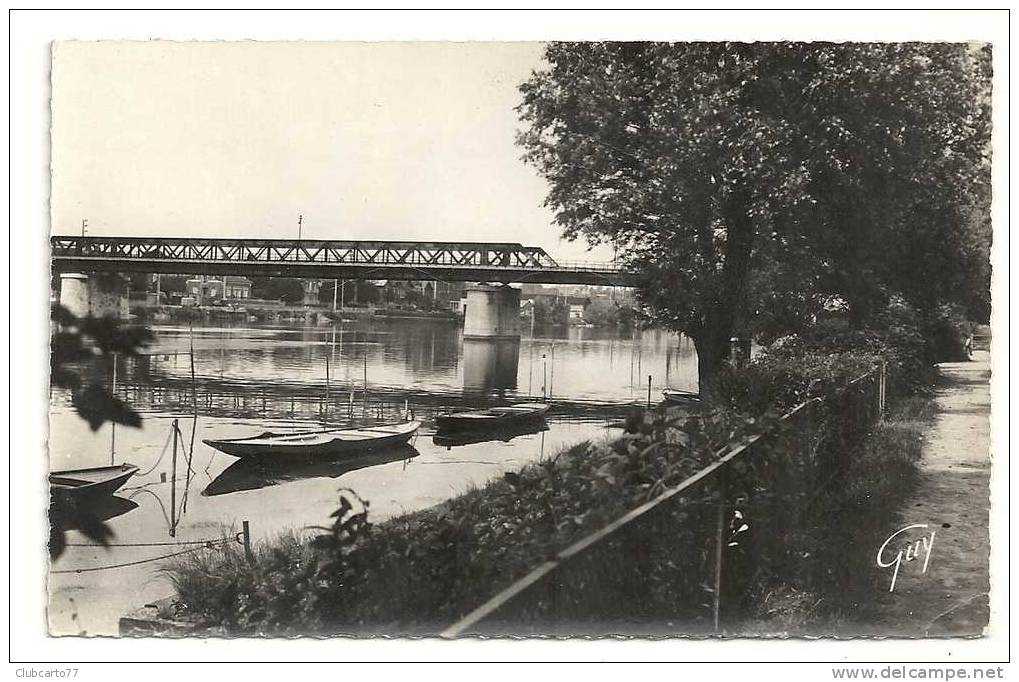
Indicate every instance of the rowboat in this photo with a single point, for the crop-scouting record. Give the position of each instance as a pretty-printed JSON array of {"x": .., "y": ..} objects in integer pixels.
[
  {"x": 79, "y": 485},
  {"x": 490, "y": 418},
  {"x": 323, "y": 443},
  {"x": 677, "y": 397}
]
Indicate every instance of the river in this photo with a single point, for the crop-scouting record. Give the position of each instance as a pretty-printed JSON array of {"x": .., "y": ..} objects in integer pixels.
[{"x": 248, "y": 379}]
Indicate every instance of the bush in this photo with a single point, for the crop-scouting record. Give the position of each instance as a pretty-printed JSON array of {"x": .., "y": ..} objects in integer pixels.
[{"x": 946, "y": 330}]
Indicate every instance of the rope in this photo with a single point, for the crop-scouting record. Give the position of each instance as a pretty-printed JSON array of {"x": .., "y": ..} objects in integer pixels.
[
  {"x": 161, "y": 453},
  {"x": 206, "y": 543},
  {"x": 136, "y": 563}
]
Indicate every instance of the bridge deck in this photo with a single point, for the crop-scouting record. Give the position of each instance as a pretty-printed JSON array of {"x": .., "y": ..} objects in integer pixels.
[{"x": 328, "y": 259}]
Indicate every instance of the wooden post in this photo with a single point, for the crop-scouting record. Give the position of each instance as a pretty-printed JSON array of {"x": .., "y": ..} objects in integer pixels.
[
  {"x": 551, "y": 374},
  {"x": 882, "y": 382},
  {"x": 649, "y": 391},
  {"x": 173, "y": 484},
  {"x": 191, "y": 354},
  {"x": 113, "y": 425},
  {"x": 326, "y": 418},
  {"x": 719, "y": 546},
  {"x": 246, "y": 537},
  {"x": 544, "y": 378}
]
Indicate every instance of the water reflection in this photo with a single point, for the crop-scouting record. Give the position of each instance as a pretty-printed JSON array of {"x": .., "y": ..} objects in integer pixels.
[
  {"x": 84, "y": 515},
  {"x": 255, "y": 473},
  {"x": 504, "y": 434},
  {"x": 491, "y": 364}
]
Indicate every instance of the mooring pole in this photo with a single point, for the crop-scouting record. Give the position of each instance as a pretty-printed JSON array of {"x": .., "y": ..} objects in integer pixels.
[
  {"x": 881, "y": 383},
  {"x": 544, "y": 378},
  {"x": 720, "y": 521},
  {"x": 173, "y": 483},
  {"x": 246, "y": 538},
  {"x": 551, "y": 374},
  {"x": 649, "y": 391},
  {"x": 327, "y": 389},
  {"x": 113, "y": 425}
]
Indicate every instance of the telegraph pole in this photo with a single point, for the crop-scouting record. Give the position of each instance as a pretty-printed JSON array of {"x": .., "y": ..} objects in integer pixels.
[{"x": 300, "y": 220}]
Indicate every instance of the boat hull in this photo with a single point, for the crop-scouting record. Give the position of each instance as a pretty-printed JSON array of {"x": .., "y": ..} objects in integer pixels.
[
  {"x": 83, "y": 485},
  {"x": 498, "y": 418},
  {"x": 334, "y": 447},
  {"x": 681, "y": 397}
]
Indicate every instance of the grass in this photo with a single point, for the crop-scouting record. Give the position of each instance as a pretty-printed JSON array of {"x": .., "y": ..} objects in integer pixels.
[
  {"x": 833, "y": 576},
  {"x": 419, "y": 572}
]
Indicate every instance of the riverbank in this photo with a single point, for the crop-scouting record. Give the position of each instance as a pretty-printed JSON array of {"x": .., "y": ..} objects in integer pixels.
[
  {"x": 248, "y": 379},
  {"x": 418, "y": 574}
]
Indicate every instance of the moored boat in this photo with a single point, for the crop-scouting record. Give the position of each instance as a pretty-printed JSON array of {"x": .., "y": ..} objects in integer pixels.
[
  {"x": 677, "y": 397},
  {"x": 77, "y": 485},
  {"x": 321, "y": 443},
  {"x": 490, "y": 418}
]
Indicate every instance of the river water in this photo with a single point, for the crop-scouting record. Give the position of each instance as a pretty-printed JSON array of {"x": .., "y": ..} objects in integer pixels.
[{"x": 249, "y": 379}]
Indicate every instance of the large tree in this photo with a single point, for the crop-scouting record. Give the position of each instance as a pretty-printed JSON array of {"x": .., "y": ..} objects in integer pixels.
[{"x": 747, "y": 183}]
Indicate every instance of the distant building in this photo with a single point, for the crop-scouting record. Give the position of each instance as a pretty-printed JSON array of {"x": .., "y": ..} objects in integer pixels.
[
  {"x": 577, "y": 312},
  {"x": 206, "y": 289},
  {"x": 236, "y": 287}
]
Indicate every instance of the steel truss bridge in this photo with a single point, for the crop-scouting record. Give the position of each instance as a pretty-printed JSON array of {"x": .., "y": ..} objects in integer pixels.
[{"x": 329, "y": 259}]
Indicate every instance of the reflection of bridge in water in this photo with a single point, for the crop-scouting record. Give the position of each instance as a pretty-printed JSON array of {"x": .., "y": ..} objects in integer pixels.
[{"x": 243, "y": 399}]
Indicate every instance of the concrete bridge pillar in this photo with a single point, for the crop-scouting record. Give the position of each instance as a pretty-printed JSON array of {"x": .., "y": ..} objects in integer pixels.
[
  {"x": 492, "y": 312},
  {"x": 74, "y": 293},
  {"x": 95, "y": 295}
]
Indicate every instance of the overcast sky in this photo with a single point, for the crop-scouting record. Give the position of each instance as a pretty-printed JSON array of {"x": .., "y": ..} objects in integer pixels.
[{"x": 367, "y": 141}]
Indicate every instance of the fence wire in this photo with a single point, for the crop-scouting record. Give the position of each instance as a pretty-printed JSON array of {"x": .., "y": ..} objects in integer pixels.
[{"x": 684, "y": 561}]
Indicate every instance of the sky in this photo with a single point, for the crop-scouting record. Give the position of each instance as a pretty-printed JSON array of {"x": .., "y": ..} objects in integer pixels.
[{"x": 365, "y": 140}]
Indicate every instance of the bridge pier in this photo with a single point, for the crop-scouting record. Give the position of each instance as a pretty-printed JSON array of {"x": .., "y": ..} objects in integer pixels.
[
  {"x": 95, "y": 295},
  {"x": 492, "y": 312}
]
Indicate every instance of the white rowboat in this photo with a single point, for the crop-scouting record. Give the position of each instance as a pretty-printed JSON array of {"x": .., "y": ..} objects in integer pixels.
[{"x": 327, "y": 442}]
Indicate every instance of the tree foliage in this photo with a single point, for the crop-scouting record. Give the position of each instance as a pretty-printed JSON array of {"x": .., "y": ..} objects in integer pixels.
[
  {"x": 747, "y": 184},
  {"x": 77, "y": 347},
  {"x": 76, "y": 343}
]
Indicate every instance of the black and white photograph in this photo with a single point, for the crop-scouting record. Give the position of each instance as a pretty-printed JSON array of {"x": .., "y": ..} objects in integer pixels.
[{"x": 642, "y": 339}]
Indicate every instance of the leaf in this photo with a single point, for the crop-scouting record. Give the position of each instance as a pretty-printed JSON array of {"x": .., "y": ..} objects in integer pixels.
[{"x": 97, "y": 406}]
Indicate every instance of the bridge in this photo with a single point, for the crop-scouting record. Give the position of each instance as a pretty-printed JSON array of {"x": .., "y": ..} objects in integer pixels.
[
  {"x": 504, "y": 263},
  {"x": 491, "y": 311}
]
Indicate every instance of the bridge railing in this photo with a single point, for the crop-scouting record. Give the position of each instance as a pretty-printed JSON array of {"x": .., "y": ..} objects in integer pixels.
[
  {"x": 680, "y": 562},
  {"x": 308, "y": 251}
]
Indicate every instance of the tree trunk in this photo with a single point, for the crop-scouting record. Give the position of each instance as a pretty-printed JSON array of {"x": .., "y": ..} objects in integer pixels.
[
  {"x": 710, "y": 358},
  {"x": 713, "y": 344}
]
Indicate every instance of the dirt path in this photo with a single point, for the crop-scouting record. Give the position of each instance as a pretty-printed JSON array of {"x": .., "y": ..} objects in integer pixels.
[{"x": 952, "y": 497}]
